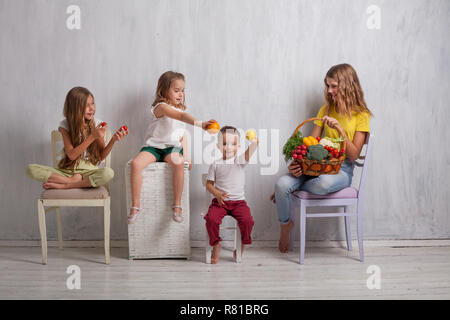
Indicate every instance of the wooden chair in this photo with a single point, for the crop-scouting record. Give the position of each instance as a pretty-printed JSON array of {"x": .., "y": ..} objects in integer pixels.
[
  {"x": 346, "y": 198},
  {"x": 225, "y": 226},
  {"x": 82, "y": 197}
]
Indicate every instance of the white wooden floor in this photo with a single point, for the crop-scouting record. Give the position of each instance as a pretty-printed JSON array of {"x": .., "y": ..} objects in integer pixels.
[{"x": 328, "y": 273}]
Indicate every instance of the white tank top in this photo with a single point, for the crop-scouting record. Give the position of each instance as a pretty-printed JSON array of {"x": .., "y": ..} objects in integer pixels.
[{"x": 164, "y": 132}]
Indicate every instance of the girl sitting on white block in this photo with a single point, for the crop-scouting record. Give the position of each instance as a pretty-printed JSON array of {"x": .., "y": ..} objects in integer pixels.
[{"x": 165, "y": 140}]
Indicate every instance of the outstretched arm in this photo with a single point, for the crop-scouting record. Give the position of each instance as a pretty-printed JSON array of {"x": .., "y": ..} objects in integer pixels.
[
  {"x": 165, "y": 110},
  {"x": 251, "y": 149}
]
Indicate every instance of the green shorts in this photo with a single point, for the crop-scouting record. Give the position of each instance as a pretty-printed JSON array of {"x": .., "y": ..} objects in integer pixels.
[{"x": 160, "y": 154}]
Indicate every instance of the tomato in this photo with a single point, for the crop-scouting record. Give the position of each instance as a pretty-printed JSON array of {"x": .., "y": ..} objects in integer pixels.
[
  {"x": 295, "y": 156},
  {"x": 303, "y": 152},
  {"x": 124, "y": 128},
  {"x": 300, "y": 157},
  {"x": 103, "y": 124},
  {"x": 318, "y": 139}
]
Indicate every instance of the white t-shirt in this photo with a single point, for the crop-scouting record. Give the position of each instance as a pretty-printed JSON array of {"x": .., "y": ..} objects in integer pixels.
[
  {"x": 64, "y": 124},
  {"x": 229, "y": 176},
  {"x": 164, "y": 132}
]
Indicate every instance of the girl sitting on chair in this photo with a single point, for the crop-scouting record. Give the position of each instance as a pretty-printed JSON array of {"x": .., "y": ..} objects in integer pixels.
[
  {"x": 84, "y": 147},
  {"x": 344, "y": 109}
]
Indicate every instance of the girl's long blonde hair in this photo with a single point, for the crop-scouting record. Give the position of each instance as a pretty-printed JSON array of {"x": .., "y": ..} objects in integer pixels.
[
  {"x": 164, "y": 83},
  {"x": 350, "y": 95},
  {"x": 79, "y": 128}
]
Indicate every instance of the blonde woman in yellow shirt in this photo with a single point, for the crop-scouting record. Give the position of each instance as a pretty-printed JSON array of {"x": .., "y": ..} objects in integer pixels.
[{"x": 344, "y": 109}]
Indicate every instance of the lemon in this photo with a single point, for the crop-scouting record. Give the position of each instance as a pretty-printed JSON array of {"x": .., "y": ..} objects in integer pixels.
[{"x": 250, "y": 135}]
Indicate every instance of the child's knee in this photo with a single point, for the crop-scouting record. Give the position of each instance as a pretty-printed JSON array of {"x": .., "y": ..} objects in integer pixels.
[
  {"x": 211, "y": 220},
  {"x": 137, "y": 165},
  {"x": 108, "y": 174},
  {"x": 176, "y": 161},
  {"x": 34, "y": 171},
  {"x": 102, "y": 177},
  {"x": 29, "y": 171}
]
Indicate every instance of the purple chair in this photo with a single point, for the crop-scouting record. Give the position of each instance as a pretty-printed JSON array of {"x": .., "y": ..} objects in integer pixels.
[{"x": 343, "y": 198}]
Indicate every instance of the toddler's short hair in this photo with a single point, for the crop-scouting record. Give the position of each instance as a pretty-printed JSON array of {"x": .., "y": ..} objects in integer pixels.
[{"x": 227, "y": 129}]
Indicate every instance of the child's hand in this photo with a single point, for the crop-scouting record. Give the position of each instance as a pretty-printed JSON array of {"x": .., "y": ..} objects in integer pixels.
[
  {"x": 99, "y": 131},
  {"x": 205, "y": 124},
  {"x": 255, "y": 141},
  {"x": 221, "y": 196},
  {"x": 119, "y": 134},
  {"x": 190, "y": 163}
]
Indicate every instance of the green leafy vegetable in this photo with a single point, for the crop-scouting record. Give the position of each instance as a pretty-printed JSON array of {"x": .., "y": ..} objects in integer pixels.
[{"x": 291, "y": 144}]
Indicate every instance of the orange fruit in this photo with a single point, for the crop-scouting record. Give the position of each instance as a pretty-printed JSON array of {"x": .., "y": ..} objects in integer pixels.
[{"x": 213, "y": 128}]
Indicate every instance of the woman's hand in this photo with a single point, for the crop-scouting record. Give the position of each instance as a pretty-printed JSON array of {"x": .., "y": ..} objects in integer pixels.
[
  {"x": 99, "y": 132},
  {"x": 119, "y": 135},
  {"x": 332, "y": 123},
  {"x": 295, "y": 169},
  {"x": 205, "y": 124}
]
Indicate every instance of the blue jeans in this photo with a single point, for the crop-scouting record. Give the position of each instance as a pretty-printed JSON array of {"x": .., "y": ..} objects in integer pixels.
[{"x": 322, "y": 184}]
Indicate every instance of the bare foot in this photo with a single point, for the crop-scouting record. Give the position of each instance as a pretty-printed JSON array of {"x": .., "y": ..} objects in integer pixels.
[
  {"x": 285, "y": 229},
  {"x": 215, "y": 254},
  {"x": 54, "y": 185},
  {"x": 235, "y": 252}
]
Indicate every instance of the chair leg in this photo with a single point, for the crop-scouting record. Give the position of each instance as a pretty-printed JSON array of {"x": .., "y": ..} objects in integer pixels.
[
  {"x": 302, "y": 232},
  {"x": 237, "y": 243},
  {"x": 58, "y": 224},
  {"x": 347, "y": 229},
  {"x": 292, "y": 233},
  {"x": 360, "y": 234},
  {"x": 207, "y": 249},
  {"x": 42, "y": 230},
  {"x": 106, "y": 220}
]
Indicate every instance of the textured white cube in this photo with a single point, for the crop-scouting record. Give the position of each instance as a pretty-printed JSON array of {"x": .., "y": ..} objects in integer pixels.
[{"x": 154, "y": 234}]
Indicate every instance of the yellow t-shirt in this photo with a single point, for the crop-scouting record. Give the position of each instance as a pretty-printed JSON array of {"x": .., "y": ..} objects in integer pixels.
[{"x": 359, "y": 121}]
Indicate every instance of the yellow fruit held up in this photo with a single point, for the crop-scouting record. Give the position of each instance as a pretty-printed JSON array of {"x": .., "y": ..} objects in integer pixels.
[{"x": 250, "y": 135}]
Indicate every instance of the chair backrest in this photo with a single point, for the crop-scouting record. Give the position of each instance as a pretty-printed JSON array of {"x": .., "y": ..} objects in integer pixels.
[
  {"x": 58, "y": 154},
  {"x": 362, "y": 162}
]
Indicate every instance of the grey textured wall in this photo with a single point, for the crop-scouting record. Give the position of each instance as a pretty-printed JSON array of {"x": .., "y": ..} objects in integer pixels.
[{"x": 248, "y": 63}]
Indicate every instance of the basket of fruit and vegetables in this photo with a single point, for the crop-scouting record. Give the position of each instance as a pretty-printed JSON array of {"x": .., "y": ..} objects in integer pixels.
[{"x": 316, "y": 156}]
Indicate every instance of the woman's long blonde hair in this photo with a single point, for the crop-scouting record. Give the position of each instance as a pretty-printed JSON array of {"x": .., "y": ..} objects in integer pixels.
[
  {"x": 350, "y": 95},
  {"x": 79, "y": 128},
  {"x": 164, "y": 83}
]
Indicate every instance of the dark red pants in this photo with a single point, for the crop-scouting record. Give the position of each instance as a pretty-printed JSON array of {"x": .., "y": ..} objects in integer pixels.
[{"x": 238, "y": 210}]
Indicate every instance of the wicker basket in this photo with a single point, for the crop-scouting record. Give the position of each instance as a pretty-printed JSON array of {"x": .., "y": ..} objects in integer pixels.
[
  {"x": 316, "y": 168},
  {"x": 154, "y": 234}
]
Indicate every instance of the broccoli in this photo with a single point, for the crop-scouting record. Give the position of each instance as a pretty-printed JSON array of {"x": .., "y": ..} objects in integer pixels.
[{"x": 316, "y": 152}]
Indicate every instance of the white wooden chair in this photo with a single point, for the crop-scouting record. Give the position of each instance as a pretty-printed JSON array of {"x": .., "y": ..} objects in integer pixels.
[
  {"x": 225, "y": 226},
  {"x": 83, "y": 197}
]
